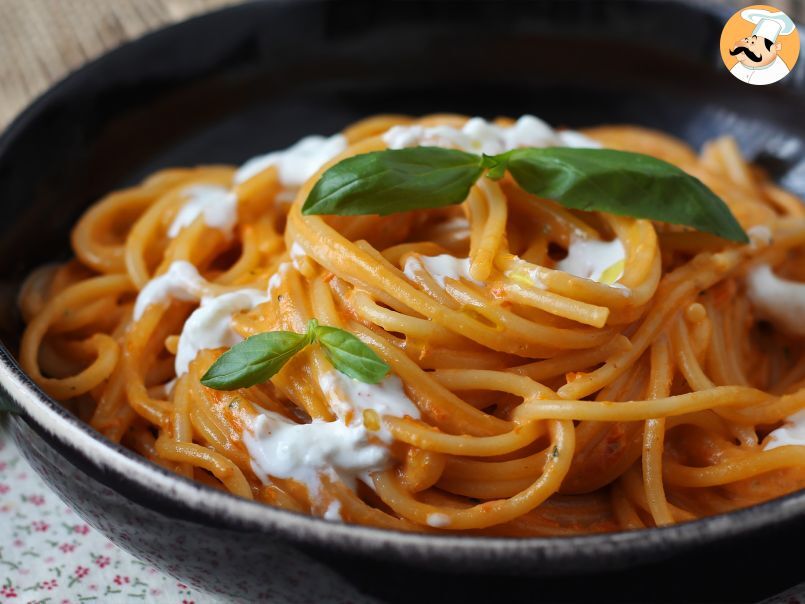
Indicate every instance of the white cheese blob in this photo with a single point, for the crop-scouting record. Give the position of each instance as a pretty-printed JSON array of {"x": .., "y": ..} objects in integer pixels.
[
  {"x": 534, "y": 279},
  {"x": 180, "y": 282},
  {"x": 303, "y": 452},
  {"x": 210, "y": 325},
  {"x": 439, "y": 267},
  {"x": 297, "y": 255},
  {"x": 218, "y": 206},
  {"x": 600, "y": 261},
  {"x": 759, "y": 234},
  {"x": 480, "y": 136},
  {"x": 207, "y": 327},
  {"x": 343, "y": 449},
  {"x": 572, "y": 138},
  {"x": 333, "y": 512},
  {"x": 459, "y": 223},
  {"x": 276, "y": 279},
  {"x": 385, "y": 398},
  {"x": 792, "y": 432},
  {"x": 778, "y": 300},
  {"x": 297, "y": 163},
  {"x": 437, "y": 520}
]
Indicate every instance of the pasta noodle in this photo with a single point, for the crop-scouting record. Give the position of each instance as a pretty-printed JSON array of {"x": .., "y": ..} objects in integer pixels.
[{"x": 527, "y": 396}]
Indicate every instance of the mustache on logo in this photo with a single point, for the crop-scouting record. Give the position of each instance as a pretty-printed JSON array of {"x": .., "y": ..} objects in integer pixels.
[{"x": 743, "y": 49}]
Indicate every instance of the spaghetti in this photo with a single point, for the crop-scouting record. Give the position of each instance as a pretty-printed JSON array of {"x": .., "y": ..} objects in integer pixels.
[{"x": 552, "y": 371}]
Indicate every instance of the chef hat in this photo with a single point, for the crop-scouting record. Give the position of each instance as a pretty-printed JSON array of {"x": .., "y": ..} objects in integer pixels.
[{"x": 769, "y": 24}]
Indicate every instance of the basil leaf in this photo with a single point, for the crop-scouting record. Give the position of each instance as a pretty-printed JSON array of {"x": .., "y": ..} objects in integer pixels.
[
  {"x": 310, "y": 332},
  {"x": 495, "y": 165},
  {"x": 619, "y": 182},
  {"x": 397, "y": 180},
  {"x": 259, "y": 357},
  {"x": 350, "y": 356},
  {"x": 254, "y": 360}
]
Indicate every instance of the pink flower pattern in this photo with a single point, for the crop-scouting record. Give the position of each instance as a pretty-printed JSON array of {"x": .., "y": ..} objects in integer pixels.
[
  {"x": 48, "y": 555},
  {"x": 81, "y": 571}
]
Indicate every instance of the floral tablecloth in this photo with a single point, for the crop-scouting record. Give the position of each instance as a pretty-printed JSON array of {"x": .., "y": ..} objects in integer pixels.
[{"x": 48, "y": 555}]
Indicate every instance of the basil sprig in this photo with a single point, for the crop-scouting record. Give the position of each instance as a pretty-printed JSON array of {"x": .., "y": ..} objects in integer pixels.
[
  {"x": 386, "y": 182},
  {"x": 258, "y": 358},
  {"x": 351, "y": 356},
  {"x": 604, "y": 180}
]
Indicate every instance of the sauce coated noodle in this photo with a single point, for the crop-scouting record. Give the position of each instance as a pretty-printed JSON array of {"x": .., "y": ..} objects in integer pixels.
[{"x": 534, "y": 390}]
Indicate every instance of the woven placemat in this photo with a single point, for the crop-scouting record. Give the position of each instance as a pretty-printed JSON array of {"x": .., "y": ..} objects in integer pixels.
[{"x": 42, "y": 40}]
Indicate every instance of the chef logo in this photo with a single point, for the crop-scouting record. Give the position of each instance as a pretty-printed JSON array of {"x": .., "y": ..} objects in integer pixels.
[{"x": 760, "y": 45}]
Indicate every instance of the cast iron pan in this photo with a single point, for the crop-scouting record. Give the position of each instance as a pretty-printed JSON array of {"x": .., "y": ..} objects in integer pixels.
[{"x": 256, "y": 77}]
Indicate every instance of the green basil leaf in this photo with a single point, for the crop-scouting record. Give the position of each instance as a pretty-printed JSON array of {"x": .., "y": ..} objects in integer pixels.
[
  {"x": 397, "y": 180},
  {"x": 619, "y": 182},
  {"x": 310, "y": 332},
  {"x": 350, "y": 356},
  {"x": 254, "y": 360},
  {"x": 495, "y": 165}
]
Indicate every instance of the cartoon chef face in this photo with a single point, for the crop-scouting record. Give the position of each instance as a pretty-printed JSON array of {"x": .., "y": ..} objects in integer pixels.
[
  {"x": 755, "y": 51},
  {"x": 757, "y": 54}
]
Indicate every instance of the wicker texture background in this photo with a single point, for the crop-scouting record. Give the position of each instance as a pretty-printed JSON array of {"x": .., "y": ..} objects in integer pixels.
[{"x": 42, "y": 40}]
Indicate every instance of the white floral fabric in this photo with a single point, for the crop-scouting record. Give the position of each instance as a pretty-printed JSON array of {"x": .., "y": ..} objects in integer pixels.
[{"x": 48, "y": 555}]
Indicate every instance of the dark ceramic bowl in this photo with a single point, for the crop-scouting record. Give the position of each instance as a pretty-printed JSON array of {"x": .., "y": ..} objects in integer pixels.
[{"x": 232, "y": 84}]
